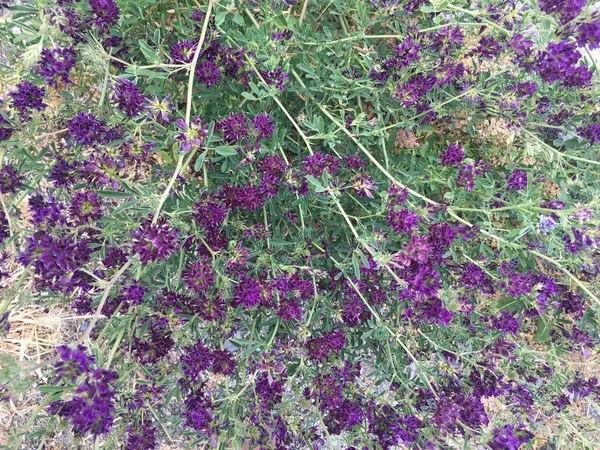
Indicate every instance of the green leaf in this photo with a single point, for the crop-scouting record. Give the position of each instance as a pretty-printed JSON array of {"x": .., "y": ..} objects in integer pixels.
[
  {"x": 239, "y": 19},
  {"x": 226, "y": 151},
  {"x": 542, "y": 330},
  {"x": 316, "y": 183},
  {"x": 510, "y": 304},
  {"x": 199, "y": 161},
  {"x": 113, "y": 194},
  {"x": 249, "y": 96},
  {"x": 220, "y": 18},
  {"x": 150, "y": 54}
]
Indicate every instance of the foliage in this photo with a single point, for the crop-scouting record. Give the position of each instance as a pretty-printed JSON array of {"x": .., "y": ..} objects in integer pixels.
[{"x": 331, "y": 224}]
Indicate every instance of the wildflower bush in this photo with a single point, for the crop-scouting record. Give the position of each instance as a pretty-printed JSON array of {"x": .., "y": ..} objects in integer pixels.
[{"x": 304, "y": 225}]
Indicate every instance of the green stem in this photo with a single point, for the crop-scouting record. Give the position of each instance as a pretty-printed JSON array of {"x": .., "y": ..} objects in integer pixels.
[
  {"x": 188, "y": 110},
  {"x": 104, "y": 85},
  {"x": 105, "y": 295},
  {"x": 555, "y": 151}
]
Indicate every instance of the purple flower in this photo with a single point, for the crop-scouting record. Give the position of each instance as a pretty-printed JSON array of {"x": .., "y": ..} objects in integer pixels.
[
  {"x": 55, "y": 259},
  {"x": 156, "y": 343},
  {"x": 199, "y": 277},
  {"x": 282, "y": 35},
  {"x": 128, "y": 97},
  {"x": 263, "y": 126},
  {"x": 197, "y": 412},
  {"x": 318, "y": 162},
  {"x": 234, "y": 128},
  {"x": 91, "y": 410},
  {"x": 566, "y": 10},
  {"x": 208, "y": 73},
  {"x": 452, "y": 156},
  {"x": 583, "y": 215},
  {"x": 160, "y": 109},
  {"x": 153, "y": 242},
  {"x": 196, "y": 359},
  {"x": 209, "y": 214},
  {"x": 580, "y": 241},
  {"x": 86, "y": 130},
  {"x": 143, "y": 438},
  {"x": 559, "y": 63},
  {"x": 182, "y": 52},
  {"x": 107, "y": 13},
  {"x": 223, "y": 362},
  {"x": 510, "y": 438},
  {"x": 73, "y": 363},
  {"x": 26, "y": 98},
  {"x": 364, "y": 186},
  {"x": 10, "y": 180},
  {"x": 402, "y": 221},
  {"x": 320, "y": 348},
  {"x": 248, "y": 293},
  {"x": 6, "y": 129},
  {"x": 85, "y": 207},
  {"x": 507, "y": 323},
  {"x": 275, "y": 78},
  {"x": 588, "y": 33},
  {"x": 546, "y": 224},
  {"x": 488, "y": 47},
  {"x": 517, "y": 180},
  {"x": 591, "y": 133},
  {"x": 467, "y": 174},
  {"x": 56, "y": 64},
  {"x": 192, "y": 135}
]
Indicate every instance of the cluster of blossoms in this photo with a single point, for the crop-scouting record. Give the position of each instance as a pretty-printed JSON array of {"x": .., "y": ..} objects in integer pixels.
[
  {"x": 92, "y": 408},
  {"x": 272, "y": 276}
]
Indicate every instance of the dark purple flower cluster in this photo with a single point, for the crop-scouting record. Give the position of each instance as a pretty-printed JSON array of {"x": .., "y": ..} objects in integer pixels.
[
  {"x": 128, "y": 98},
  {"x": 578, "y": 242},
  {"x": 73, "y": 363},
  {"x": 588, "y": 33},
  {"x": 28, "y": 97},
  {"x": 510, "y": 437},
  {"x": 55, "y": 260},
  {"x": 209, "y": 73},
  {"x": 85, "y": 207},
  {"x": 293, "y": 291},
  {"x": 452, "y": 156},
  {"x": 517, "y": 180},
  {"x": 198, "y": 358},
  {"x": 275, "y": 78},
  {"x": 319, "y": 348},
  {"x": 559, "y": 63},
  {"x": 248, "y": 293},
  {"x": 191, "y": 136},
  {"x": 6, "y": 130},
  {"x": 56, "y": 64},
  {"x": 393, "y": 429},
  {"x": 91, "y": 410},
  {"x": 591, "y": 133},
  {"x": 402, "y": 221},
  {"x": 155, "y": 343},
  {"x": 199, "y": 276},
  {"x": 86, "y": 130},
  {"x": 10, "y": 180},
  {"x": 155, "y": 241},
  {"x": 106, "y": 13},
  {"x": 142, "y": 437},
  {"x": 182, "y": 52},
  {"x": 198, "y": 412},
  {"x": 565, "y": 10},
  {"x": 468, "y": 173}
]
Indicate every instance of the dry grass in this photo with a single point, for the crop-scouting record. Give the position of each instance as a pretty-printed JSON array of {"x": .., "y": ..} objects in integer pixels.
[{"x": 34, "y": 334}]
